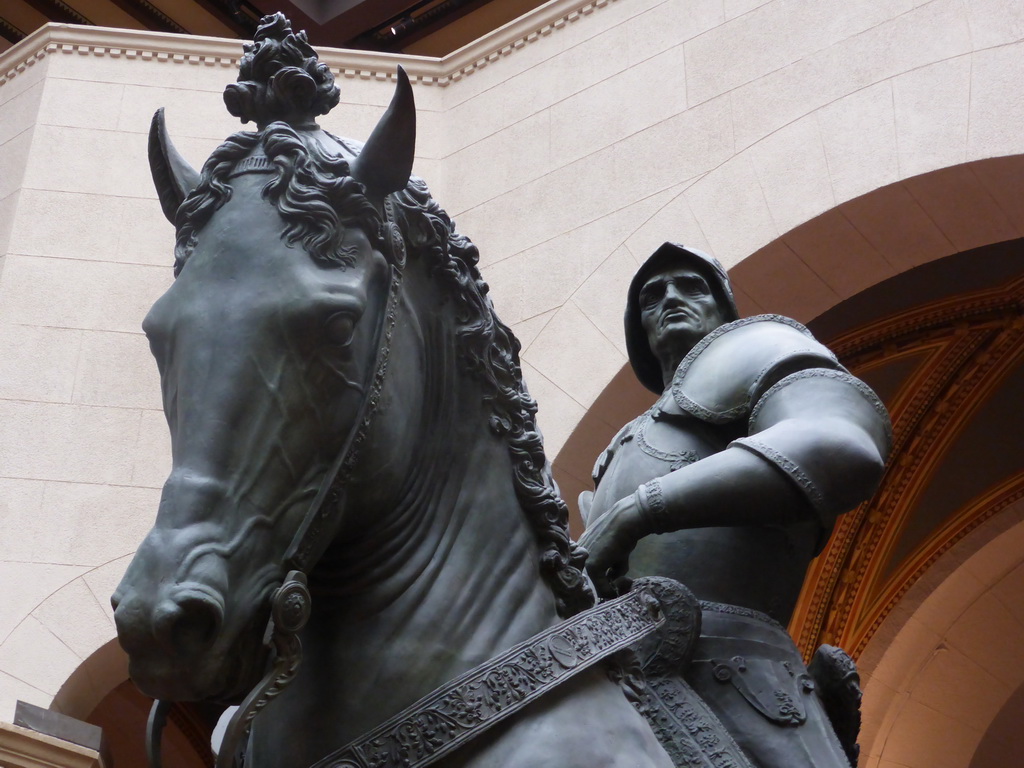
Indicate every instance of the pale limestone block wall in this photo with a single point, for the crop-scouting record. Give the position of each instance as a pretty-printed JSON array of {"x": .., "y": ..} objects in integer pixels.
[
  {"x": 82, "y": 439},
  {"x": 724, "y": 126},
  {"x": 567, "y": 146}
]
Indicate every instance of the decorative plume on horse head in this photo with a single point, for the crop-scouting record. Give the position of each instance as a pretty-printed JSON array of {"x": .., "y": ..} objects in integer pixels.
[
  {"x": 346, "y": 409},
  {"x": 280, "y": 77}
]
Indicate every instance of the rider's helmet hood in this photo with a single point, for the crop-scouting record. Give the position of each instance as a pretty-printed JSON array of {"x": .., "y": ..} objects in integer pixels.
[{"x": 645, "y": 364}]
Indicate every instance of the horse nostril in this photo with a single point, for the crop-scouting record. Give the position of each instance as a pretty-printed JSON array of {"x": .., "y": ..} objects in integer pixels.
[
  {"x": 199, "y": 625},
  {"x": 188, "y": 624}
]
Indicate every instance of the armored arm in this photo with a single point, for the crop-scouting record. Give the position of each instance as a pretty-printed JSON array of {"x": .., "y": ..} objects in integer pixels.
[
  {"x": 828, "y": 433},
  {"x": 817, "y": 444}
]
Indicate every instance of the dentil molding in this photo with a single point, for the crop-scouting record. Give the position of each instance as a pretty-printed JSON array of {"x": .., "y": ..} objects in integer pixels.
[{"x": 214, "y": 51}]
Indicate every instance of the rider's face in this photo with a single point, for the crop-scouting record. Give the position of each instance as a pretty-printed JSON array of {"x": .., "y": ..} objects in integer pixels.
[{"x": 677, "y": 309}]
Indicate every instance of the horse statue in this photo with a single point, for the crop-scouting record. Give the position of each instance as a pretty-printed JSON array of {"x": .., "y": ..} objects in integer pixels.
[{"x": 357, "y": 478}]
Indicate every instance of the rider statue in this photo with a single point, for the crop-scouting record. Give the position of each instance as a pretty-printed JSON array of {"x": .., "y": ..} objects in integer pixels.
[{"x": 730, "y": 484}]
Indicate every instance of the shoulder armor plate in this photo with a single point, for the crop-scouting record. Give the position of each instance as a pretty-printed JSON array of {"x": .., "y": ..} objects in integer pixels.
[{"x": 729, "y": 369}]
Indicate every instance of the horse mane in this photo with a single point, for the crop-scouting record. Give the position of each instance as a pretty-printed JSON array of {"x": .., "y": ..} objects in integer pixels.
[
  {"x": 317, "y": 199},
  {"x": 490, "y": 352}
]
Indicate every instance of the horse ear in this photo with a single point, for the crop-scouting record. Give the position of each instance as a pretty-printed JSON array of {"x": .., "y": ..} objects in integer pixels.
[
  {"x": 385, "y": 164},
  {"x": 173, "y": 177}
]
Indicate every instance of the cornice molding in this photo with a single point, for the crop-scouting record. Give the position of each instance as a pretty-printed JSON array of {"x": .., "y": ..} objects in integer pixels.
[
  {"x": 924, "y": 447},
  {"x": 216, "y": 51},
  {"x": 24, "y": 748},
  {"x": 958, "y": 310}
]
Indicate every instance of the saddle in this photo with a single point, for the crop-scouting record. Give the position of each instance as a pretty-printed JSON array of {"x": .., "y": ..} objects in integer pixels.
[
  {"x": 761, "y": 677},
  {"x": 651, "y": 674}
]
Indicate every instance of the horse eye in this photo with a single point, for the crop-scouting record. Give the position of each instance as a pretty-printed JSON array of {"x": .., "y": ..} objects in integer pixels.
[{"x": 339, "y": 328}]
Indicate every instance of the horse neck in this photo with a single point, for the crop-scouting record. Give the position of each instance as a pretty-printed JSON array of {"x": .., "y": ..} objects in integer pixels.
[{"x": 440, "y": 570}]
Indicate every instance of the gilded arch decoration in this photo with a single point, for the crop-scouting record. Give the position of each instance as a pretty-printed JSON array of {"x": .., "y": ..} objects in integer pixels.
[{"x": 970, "y": 343}]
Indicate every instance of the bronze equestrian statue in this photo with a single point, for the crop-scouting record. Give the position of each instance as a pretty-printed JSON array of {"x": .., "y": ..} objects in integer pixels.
[
  {"x": 360, "y": 542},
  {"x": 357, "y": 478},
  {"x": 731, "y": 483}
]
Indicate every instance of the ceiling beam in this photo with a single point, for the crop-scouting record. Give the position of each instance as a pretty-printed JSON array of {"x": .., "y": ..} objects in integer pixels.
[
  {"x": 358, "y": 19},
  {"x": 241, "y": 16},
  {"x": 9, "y": 32},
  {"x": 421, "y": 25},
  {"x": 60, "y": 12},
  {"x": 150, "y": 16},
  {"x": 299, "y": 18}
]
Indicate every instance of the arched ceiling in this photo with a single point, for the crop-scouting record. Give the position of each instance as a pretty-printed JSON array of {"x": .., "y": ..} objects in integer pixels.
[
  {"x": 100, "y": 692},
  {"x": 123, "y": 713},
  {"x": 1004, "y": 737},
  {"x": 940, "y": 672}
]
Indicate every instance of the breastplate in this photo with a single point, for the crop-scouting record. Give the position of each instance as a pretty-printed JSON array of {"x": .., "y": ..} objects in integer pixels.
[{"x": 658, "y": 442}]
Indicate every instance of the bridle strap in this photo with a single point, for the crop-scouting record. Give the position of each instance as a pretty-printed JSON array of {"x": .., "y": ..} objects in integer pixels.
[
  {"x": 290, "y": 609},
  {"x": 290, "y": 602},
  {"x": 323, "y": 520},
  {"x": 318, "y": 528}
]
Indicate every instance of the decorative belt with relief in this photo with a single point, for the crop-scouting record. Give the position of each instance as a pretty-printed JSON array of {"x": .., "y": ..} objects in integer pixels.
[{"x": 470, "y": 704}]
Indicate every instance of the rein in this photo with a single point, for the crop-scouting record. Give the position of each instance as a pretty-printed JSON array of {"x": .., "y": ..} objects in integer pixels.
[{"x": 291, "y": 603}]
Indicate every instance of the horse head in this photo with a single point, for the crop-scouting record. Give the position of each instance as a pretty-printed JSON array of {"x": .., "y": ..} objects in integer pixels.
[{"x": 270, "y": 344}]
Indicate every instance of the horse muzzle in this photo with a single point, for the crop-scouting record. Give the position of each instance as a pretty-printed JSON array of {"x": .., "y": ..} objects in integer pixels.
[{"x": 174, "y": 643}]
